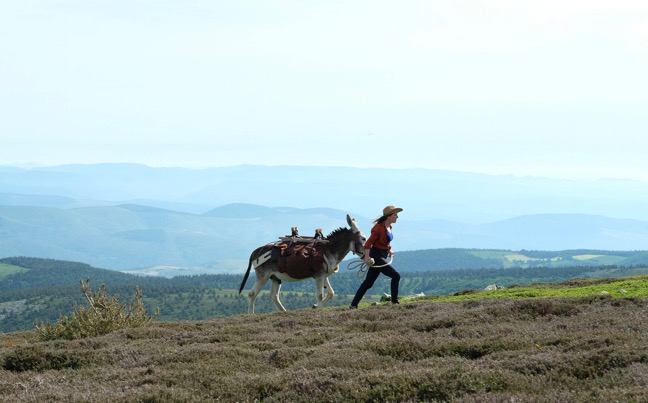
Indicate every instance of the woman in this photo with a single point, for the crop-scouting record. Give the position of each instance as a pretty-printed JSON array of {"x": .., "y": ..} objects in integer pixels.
[{"x": 378, "y": 247}]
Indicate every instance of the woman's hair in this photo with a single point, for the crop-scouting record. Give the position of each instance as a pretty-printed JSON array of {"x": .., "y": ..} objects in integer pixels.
[{"x": 381, "y": 219}]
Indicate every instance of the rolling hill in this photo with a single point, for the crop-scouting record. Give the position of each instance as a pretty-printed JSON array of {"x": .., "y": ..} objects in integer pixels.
[
  {"x": 143, "y": 238},
  {"x": 178, "y": 220}
]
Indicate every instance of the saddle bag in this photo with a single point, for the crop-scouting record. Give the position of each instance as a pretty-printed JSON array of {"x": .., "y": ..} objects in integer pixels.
[{"x": 298, "y": 260}]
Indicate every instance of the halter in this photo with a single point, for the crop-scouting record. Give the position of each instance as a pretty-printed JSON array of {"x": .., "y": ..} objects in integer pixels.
[{"x": 357, "y": 245}]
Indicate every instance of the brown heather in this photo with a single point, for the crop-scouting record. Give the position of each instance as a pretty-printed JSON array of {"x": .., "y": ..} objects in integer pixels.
[{"x": 590, "y": 349}]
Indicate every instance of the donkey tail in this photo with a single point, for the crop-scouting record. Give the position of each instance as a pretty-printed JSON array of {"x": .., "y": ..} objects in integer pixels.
[
  {"x": 247, "y": 274},
  {"x": 258, "y": 257}
]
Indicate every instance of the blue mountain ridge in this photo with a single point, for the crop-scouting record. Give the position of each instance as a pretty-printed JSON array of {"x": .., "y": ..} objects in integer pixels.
[
  {"x": 129, "y": 216},
  {"x": 128, "y": 236}
]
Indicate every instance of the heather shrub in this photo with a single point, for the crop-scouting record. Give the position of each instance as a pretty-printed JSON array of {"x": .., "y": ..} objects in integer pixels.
[
  {"x": 34, "y": 358},
  {"x": 434, "y": 324},
  {"x": 284, "y": 358},
  {"x": 544, "y": 307},
  {"x": 581, "y": 349},
  {"x": 103, "y": 315},
  {"x": 596, "y": 363},
  {"x": 403, "y": 348}
]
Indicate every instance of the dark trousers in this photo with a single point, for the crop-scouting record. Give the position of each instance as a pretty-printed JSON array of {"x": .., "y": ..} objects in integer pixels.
[{"x": 380, "y": 257}]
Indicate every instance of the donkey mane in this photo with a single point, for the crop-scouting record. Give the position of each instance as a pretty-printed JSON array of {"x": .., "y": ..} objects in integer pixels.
[{"x": 336, "y": 232}]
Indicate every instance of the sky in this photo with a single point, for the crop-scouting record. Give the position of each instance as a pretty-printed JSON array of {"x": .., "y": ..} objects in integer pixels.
[{"x": 553, "y": 88}]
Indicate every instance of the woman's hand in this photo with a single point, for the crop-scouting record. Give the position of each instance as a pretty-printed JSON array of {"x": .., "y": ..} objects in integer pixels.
[{"x": 367, "y": 258}]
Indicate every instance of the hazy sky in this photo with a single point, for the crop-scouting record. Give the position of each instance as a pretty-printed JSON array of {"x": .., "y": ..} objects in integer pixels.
[{"x": 542, "y": 87}]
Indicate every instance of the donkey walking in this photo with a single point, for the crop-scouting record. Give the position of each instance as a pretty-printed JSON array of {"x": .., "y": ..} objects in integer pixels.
[{"x": 332, "y": 251}]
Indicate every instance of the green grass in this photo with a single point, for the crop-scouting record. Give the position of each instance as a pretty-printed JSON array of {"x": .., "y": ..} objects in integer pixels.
[
  {"x": 603, "y": 260},
  {"x": 516, "y": 257},
  {"x": 519, "y": 259},
  {"x": 7, "y": 270},
  {"x": 586, "y": 257},
  {"x": 489, "y": 254},
  {"x": 628, "y": 287}
]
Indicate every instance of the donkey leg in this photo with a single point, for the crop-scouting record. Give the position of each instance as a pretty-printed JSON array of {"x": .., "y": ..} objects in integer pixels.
[
  {"x": 319, "y": 292},
  {"x": 254, "y": 292},
  {"x": 329, "y": 291},
  {"x": 274, "y": 294}
]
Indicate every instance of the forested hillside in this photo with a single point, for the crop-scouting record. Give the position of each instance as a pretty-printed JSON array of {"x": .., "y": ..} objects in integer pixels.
[
  {"x": 457, "y": 258},
  {"x": 35, "y": 290}
]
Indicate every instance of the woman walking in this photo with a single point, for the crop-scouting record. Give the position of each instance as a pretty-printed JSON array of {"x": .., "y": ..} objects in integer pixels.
[{"x": 378, "y": 248}]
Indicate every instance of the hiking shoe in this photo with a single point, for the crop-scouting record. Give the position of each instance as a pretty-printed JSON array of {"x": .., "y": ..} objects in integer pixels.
[{"x": 353, "y": 307}]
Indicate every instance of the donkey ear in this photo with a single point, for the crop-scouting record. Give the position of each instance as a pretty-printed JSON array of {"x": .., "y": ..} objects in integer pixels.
[{"x": 350, "y": 221}]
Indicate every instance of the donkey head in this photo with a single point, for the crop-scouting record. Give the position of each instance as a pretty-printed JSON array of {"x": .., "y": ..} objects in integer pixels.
[{"x": 358, "y": 238}]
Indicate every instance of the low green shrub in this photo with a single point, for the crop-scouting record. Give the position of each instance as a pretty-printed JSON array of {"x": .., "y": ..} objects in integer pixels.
[
  {"x": 103, "y": 315},
  {"x": 33, "y": 358}
]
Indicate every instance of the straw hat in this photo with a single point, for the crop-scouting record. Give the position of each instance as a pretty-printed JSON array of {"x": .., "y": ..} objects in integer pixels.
[{"x": 389, "y": 210}]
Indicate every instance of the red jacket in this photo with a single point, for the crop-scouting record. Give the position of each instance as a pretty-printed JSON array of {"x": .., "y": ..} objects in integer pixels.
[{"x": 378, "y": 237}]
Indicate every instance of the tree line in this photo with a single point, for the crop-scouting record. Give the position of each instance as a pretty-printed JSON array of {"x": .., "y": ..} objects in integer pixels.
[{"x": 50, "y": 288}]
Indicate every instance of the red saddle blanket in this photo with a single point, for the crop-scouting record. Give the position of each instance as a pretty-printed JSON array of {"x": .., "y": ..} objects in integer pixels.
[{"x": 299, "y": 260}]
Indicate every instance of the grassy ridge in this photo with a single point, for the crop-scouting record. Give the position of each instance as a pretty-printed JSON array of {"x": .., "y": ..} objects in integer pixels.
[
  {"x": 544, "y": 343},
  {"x": 7, "y": 270},
  {"x": 554, "y": 259},
  {"x": 629, "y": 287}
]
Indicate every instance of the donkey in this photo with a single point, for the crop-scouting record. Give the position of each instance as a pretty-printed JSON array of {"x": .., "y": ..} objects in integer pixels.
[{"x": 339, "y": 243}]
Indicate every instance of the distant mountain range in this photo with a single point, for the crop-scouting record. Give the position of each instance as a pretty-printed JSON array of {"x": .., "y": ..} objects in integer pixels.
[
  {"x": 424, "y": 194},
  {"x": 123, "y": 216},
  {"x": 135, "y": 237}
]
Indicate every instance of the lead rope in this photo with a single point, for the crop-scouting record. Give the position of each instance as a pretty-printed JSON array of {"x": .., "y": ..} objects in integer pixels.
[{"x": 354, "y": 264}]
